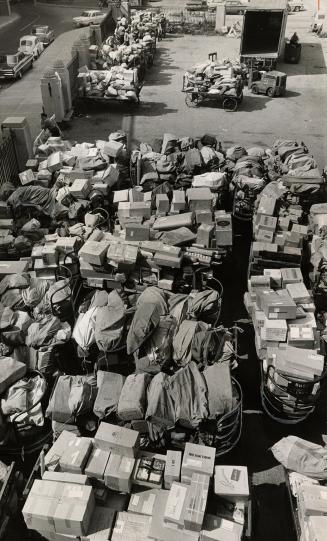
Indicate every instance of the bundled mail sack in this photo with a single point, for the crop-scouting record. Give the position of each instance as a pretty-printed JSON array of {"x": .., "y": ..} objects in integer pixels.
[
  {"x": 132, "y": 400},
  {"x": 158, "y": 348},
  {"x": 10, "y": 372},
  {"x": 183, "y": 341},
  {"x": 47, "y": 330},
  {"x": 71, "y": 397},
  {"x": 205, "y": 305},
  {"x": 181, "y": 397},
  {"x": 14, "y": 281},
  {"x": 6, "y": 317},
  {"x": 43, "y": 199},
  {"x": 20, "y": 397},
  {"x": 84, "y": 330},
  {"x": 13, "y": 298},
  {"x": 35, "y": 292},
  {"x": 109, "y": 386},
  {"x": 178, "y": 306},
  {"x": 149, "y": 307},
  {"x": 235, "y": 152},
  {"x": 206, "y": 346},
  {"x": 301, "y": 456},
  {"x": 15, "y": 335},
  {"x": 57, "y": 293},
  {"x": 110, "y": 323}
]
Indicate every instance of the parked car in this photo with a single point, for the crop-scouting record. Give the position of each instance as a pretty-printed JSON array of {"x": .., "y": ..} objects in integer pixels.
[
  {"x": 295, "y": 5},
  {"x": 235, "y": 7},
  {"x": 196, "y": 5},
  {"x": 45, "y": 33},
  {"x": 271, "y": 83},
  {"x": 12, "y": 66},
  {"x": 319, "y": 19},
  {"x": 31, "y": 45},
  {"x": 92, "y": 16}
]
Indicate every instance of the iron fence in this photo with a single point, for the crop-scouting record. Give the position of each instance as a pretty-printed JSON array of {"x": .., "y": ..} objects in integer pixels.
[{"x": 8, "y": 160}]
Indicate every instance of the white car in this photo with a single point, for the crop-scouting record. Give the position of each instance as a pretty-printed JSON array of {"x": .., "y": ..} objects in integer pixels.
[
  {"x": 92, "y": 16},
  {"x": 30, "y": 45},
  {"x": 295, "y": 5}
]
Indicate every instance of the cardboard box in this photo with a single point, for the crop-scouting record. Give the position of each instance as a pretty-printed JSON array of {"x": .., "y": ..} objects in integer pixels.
[
  {"x": 13, "y": 267},
  {"x": 117, "y": 439},
  {"x": 119, "y": 472},
  {"x": 73, "y": 516},
  {"x": 137, "y": 232},
  {"x": 131, "y": 527},
  {"x": 224, "y": 228},
  {"x": 265, "y": 222},
  {"x": 38, "y": 512},
  {"x": 199, "y": 198},
  {"x": 178, "y": 237},
  {"x": 76, "y": 455},
  {"x": 205, "y": 235},
  {"x": 232, "y": 482},
  {"x": 298, "y": 292},
  {"x": 149, "y": 469},
  {"x": 142, "y": 501},
  {"x": 302, "y": 337},
  {"x": 262, "y": 235},
  {"x": 97, "y": 463},
  {"x": 234, "y": 511},
  {"x": 54, "y": 162},
  {"x": 197, "y": 459},
  {"x": 81, "y": 188},
  {"x": 291, "y": 276},
  {"x": 135, "y": 195},
  {"x": 292, "y": 361},
  {"x": 27, "y": 177},
  {"x": 220, "y": 529},
  {"x": 121, "y": 196},
  {"x": 57, "y": 450},
  {"x": 162, "y": 203},
  {"x": 204, "y": 217},
  {"x": 63, "y": 477},
  {"x": 167, "y": 531},
  {"x": 49, "y": 254},
  {"x": 278, "y": 305},
  {"x": 275, "y": 276},
  {"x": 165, "y": 223},
  {"x": 168, "y": 261},
  {"x": 267, "y": 205},
  {"x": 178, "y": 200},
  {"x": 275, "y": 329},
  {"x": 173, "y": 468},
  {"x": 94, "y": 252},
  {"x": 112, "y": 148},
  {"x": 102, "y": 524},
  {"x": 317, "y": 527},
  {"x": 66, "y": 245},
  {"x": 111, "y": 175},
  {"x": 122, "y": 256},
  {"x": 312, "y": 500},
  {"x": 196, "y": 502},
  {"x": 176, "y": 503}
]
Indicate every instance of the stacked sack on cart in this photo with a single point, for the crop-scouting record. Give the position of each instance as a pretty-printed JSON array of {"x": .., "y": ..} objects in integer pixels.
[
  {"x": 287, "y": 331},
  {"x": 31, "y": 335},
  {"x": 162, "y": 363},
  {"x": 216, "y": 77},
  {"x": 116, "y": 82}
]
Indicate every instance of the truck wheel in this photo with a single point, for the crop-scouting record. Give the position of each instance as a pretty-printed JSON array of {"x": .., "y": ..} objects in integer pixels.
[
  {"x": 19, "y": 75},
  {"x": 255, "y": 89},
  {"x": 270, "y": 92}
]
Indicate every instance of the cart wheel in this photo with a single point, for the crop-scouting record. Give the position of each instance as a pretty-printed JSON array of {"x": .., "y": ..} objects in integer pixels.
[
  {"x": 192, "y": 100},
  {"x": 230, "y": 104},
  {"x": 270, "y": 92},
  {"x": 254, "y": 89}
]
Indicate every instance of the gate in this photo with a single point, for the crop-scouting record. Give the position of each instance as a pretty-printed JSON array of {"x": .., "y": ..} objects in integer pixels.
[
  {"x": 8, "y": 160},
  {"x": 73, "y": 72}
]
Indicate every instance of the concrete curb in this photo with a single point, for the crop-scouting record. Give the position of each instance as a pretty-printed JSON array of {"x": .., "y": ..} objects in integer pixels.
[{"x": 14, "y": 17}]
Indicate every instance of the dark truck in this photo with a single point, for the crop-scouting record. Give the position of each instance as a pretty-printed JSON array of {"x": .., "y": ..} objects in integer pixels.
[
  {"x": 12, "y": 66},
  {"x": 263, "y": 33}
]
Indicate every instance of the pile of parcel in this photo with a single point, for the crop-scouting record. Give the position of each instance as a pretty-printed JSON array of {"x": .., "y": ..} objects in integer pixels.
[
  {"x": 108, "y": 489},
  {"x": 118, "y": 66},
  {"x": 288, "y": 328},
  {"x": 147, "y": 307}
]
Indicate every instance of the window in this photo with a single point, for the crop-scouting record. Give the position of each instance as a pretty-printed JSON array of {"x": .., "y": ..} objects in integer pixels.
[{"x": 85, "y": 14}]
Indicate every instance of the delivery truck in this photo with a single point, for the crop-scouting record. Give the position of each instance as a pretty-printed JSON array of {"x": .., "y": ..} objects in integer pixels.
[{"x": 263, "y": 33}]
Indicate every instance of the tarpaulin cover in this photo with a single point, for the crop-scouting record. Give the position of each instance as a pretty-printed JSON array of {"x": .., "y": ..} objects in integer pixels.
[
  {"x": 149, "y": 307},
  {"x": 72, "y": 396},
  {"x": 109, "y": 322},
  {"x": 132, "y": 400},
  {"x": 181, "y": 397},
  {"x": 301, "y": 456},
  {"x": 110, "y": 386},
  {"x": 43, "y": 198}
]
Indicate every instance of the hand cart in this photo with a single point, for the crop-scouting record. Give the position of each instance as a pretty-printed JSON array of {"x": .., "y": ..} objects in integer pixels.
[{"x": 197, "y": 94}]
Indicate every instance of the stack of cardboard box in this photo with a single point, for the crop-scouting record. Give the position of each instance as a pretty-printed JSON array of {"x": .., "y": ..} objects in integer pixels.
[{"x": 312, "y": 512}]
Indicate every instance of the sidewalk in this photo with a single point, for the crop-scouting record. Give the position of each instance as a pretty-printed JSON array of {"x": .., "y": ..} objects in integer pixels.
[
  {"x": 8, "y": 19},
  {"x": 23, "y": 98}
]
